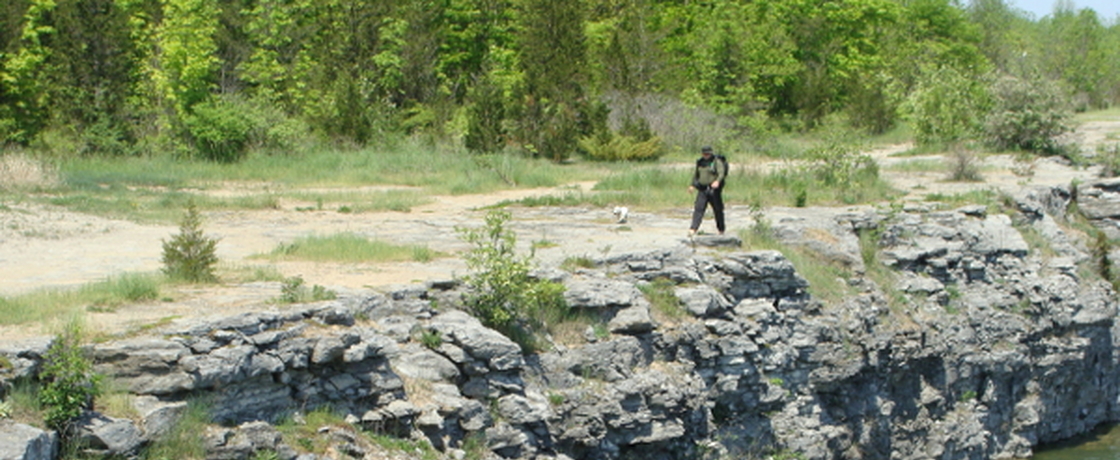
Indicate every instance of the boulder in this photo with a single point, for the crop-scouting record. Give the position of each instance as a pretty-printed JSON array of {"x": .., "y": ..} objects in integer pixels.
[
  {"x": 107, "y": 435},
  {"x": 25, "y": 442}
]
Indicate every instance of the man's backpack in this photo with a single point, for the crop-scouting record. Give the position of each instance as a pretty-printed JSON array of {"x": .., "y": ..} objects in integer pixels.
[{"x": 726, "y": 168}]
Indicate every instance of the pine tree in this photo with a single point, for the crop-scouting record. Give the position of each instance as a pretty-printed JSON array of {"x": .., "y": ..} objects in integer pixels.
[
  {"x": 190, "y": 255},
  {"x": 552, "y": 115}
]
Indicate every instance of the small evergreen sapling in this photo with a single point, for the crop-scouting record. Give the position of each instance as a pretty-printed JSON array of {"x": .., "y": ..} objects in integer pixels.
[
  {"x": 190, "y": 255},
  {"x": 69, "y": 384}
]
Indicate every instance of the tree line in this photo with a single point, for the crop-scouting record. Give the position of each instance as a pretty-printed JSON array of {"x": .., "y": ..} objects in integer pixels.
[{"x": 616, "y": 78}]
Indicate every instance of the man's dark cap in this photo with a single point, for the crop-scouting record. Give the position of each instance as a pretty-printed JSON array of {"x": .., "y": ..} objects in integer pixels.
[{"x": 706, "y": 149}]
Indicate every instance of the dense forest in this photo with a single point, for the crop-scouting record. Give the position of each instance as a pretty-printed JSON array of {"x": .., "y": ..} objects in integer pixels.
[{"x": 608, "y": 78}]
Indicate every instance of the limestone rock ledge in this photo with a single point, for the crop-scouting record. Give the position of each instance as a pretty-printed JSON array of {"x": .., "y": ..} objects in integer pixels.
[{"x": 987, "y": 341}]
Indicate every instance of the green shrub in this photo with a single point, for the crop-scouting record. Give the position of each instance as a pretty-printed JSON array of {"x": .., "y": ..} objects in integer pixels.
[
  {"x": 69, "y": 383},
  {"x": 220, "y": 130},
  {"x": 1028, "y": 115},
  {"x": 1108, "y": 156},
  {"x": 947, "y": 106},
  {"x": 621, "y": 148},
  {"x": 190, "y": 255},
  {"x": 503, "y": 295},
  {"x": 293, "y": 290},
  {"x": 431, "y": 339}
]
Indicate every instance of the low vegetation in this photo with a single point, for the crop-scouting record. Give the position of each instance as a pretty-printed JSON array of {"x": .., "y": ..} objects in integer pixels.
[
  {"x": 190, "y": 255},
  {"x": 68, "y": 383},
  {"x": 503, "y": 295},
  {"x": 348, "y": 247},
  {"x": 60, "y": 304}
]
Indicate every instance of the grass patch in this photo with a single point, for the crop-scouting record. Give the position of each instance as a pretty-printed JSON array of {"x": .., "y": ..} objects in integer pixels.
[
  {"x": 348, "y": 248},
  {"x": 232, "y": 273},
  {"x": 360, "y": 202},
  {"x": 303, "y": 433},
  {"x": 574, "y": 263},
  {"x": 116, "y": 401},
  {"x": 22, "y": 399},
  {"x": 919, "y": 166},
  {"x": 404, "y": 446},
  {"x": 656, "y": 187},
  {"x": 883, "y": 276},
  {"x": 1097, "y": 115},
  {"x": 663, "y": 299},
  {"x": 155, "y": 188},
  {"x": 987, "y": 198},
  {"x": 49, "y": 305},
  {"x": 294, "y": 290}
]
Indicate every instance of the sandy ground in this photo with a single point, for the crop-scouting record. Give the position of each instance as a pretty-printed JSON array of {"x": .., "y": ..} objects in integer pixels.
[{"x": 44, "y": 247}]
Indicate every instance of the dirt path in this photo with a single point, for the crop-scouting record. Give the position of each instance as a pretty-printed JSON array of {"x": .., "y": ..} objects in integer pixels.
[{"x": 49, "y": 247}]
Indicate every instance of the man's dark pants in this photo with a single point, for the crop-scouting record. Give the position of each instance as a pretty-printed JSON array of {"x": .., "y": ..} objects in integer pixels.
[{"x": 705, "y": 196}]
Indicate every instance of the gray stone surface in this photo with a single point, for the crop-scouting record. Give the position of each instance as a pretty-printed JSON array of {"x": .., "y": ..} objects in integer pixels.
[
  {"x": 976, "y": 343},
  {"x": 25, "y": 442}
]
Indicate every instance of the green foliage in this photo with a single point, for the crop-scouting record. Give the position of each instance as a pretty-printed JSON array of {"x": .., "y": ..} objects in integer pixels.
[
  {"x": 947, "y": 106},
  {"x": 220, "y": 130},
  {"x": 52, "y": 304},
  {"x": 96, "y": 68},
  {"x": 293, "y": 290},
  {"x": 187, "y": 61},
  {"x": 486, "y": 132},
  {"x": 1028, "y": 115},
  {"x": 190, "y": 255},
  {"x": 577, "y": 262},
  {"x": 118, "y": 290},
  {"x": 1102, "y": 248},
  {"x": 663, "y": 298},
  {"x": 24, "y": 100},
  {"x": 431, "y": 339},
  {"x": 621, "y": 148},
  {"x": 500, "y": 276},
  {"x": 835, "y": 164},
  {"x": 69, "y": 383},
  {"x": 503, "y": 295},
  {"x": 1108, "y": 157},
  {"x": 406, "y": 447},
  {"x": 348, "y": 247},
  {"x": 223, "y": 80},
  {"x": 553, "y": 104},
  {"x": 5, "y": 409}
]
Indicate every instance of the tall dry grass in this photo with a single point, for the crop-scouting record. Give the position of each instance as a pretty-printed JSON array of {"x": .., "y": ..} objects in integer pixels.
[{"x": 19, "y": 171}]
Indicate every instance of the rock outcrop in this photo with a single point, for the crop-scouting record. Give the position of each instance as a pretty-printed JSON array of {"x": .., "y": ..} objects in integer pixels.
[{"x": 958, "y": 334}]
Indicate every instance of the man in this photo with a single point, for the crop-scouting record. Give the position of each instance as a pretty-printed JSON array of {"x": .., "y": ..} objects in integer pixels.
[{"x": 707, "y": 183}]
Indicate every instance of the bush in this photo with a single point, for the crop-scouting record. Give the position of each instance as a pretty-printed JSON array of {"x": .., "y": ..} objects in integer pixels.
[
  {"x": 1108, "y": 156},
  {"x": 190, "y": 255},
  {"x": 621, "y": 148},
  {"x": 1028, "y": 115},
  {"x": 220, "y": 130},
  {"x": 963, "y": 164},
  {"x": 503, "y": 295},
  {"x": 947, "y": 106},
  {"x": 293, "y": 290},
  {"x": 69, "y": 384}
]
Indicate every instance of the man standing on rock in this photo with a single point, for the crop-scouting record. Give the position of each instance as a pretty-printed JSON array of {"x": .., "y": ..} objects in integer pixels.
[{"x": 707, "y": 183}]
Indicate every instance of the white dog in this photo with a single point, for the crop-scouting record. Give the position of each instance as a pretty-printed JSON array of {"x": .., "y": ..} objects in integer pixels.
[{"x": 621, "y": 213}]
